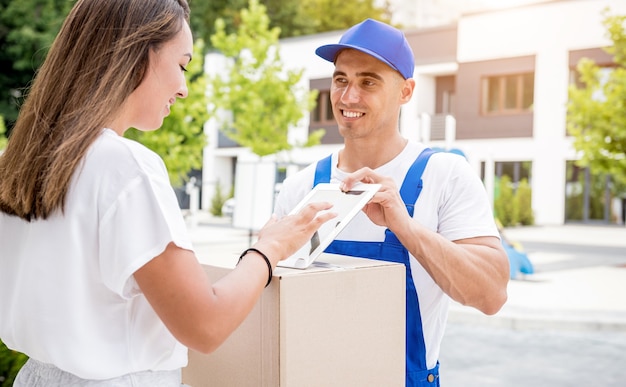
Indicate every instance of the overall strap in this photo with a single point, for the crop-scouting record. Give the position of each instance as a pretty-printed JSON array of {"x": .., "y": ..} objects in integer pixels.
[
  {"x": 323, "y": 171},
  {"x": 412, "y": 185}
]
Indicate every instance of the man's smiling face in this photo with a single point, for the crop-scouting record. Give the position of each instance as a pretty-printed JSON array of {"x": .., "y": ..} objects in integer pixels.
[{"x": 366, "y": 94}]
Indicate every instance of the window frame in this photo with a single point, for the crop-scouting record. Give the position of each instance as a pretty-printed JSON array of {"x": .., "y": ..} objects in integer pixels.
[
  {"x": 323, "y": 109},
  {"x": 519, "y": 91}
]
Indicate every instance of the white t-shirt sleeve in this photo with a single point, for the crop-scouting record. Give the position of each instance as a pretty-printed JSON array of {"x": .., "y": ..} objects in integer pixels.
[
  {"x": 139, "y": 225},
  {"x": 464, "y": 210}
]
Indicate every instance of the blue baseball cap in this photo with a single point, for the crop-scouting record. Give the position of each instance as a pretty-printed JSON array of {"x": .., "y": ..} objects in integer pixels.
[{"x": 377, "y": 39}]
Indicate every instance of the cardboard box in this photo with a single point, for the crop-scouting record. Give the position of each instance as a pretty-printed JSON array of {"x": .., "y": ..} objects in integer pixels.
[{"x": 338, "y": 325}]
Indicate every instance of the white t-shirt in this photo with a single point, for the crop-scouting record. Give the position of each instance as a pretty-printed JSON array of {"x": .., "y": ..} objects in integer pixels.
[
  {"x": 67, "y": 292},
  {"x": 453, "y": 203}
]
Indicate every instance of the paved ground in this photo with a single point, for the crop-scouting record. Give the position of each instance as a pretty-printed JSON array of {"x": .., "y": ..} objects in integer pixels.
[
  {"x": 579, "y": 281},
  {"x": 564, "y": 325},
  {"x": 480, "y": 355}
]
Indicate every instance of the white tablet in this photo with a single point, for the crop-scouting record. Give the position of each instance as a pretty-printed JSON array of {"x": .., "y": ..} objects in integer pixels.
[{"x": 345, "y": 204}]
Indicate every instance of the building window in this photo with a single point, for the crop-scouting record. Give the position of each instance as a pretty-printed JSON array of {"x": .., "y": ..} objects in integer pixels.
[
  {"x": 321, "y": 116},
  {"x": 588, "y": 197},
  {"x": 323, "y": 112},
  {"x": 515, "y": 170},
  {"x": 508, "y": 94}
]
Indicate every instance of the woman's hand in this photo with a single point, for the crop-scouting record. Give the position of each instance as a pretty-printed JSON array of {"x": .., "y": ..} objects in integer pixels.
[
  {"x": 280, "y": 238},
  {"x": 202, "y": 315}
]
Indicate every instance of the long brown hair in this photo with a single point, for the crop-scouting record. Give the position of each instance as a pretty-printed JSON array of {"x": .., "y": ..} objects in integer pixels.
[{"x": 98, "y": 58}]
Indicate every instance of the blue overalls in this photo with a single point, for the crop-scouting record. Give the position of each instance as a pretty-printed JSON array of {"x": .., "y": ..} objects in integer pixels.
[{"x": 391, "y": 250}]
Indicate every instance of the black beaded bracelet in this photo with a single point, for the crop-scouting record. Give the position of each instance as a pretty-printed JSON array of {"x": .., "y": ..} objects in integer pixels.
[{"x": 269, "y": 265}]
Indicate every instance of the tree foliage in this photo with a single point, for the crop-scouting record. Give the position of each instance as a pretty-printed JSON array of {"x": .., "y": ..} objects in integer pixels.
[
  {"x": 10, "y": 364},
  {"x": 331, "y": 15},
  {"x": 523, "y": 202},
  {"x": 504, "y": 207},
  {"x": 596, "y": 110},
  {"x": 181, "y": 139},
  {"x": 513, "y": 202},
  {"x": 218, "y": 200},
  {"x": 3, "y": 134},
  {"x": 263, "y": 97},
  {"x": 293, "y": 17},
  {"x": 27, "y": 29},
  {"x": 205, "y": 13}
]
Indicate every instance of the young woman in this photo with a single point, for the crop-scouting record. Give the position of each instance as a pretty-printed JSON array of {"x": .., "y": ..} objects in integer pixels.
[{"x": 99, "y": 284}]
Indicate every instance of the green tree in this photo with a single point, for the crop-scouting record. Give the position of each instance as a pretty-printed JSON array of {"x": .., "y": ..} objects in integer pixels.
[
  {"x": 596, "y": 106},
  {"x": 218, "y": 200},
  {"x": 10, "y": 364},
  {"x": 290, "y": 17},
  {"x": 505, "y": 209},
  {"x": 205, "y": 13},
  {"x": 331, "y": 15},
  {"x": 27, "y": 29},
  {"x": 523, "y": 201},
  {"x": 3, "y": 134},
  {"x": 293, "y": 17},
  {"x": 265, "y": 100},
  {"x": 181, "y": 139}
]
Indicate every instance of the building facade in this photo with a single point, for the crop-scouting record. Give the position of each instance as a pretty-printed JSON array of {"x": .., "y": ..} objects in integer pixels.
[{"x": 493, "y": 85}]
